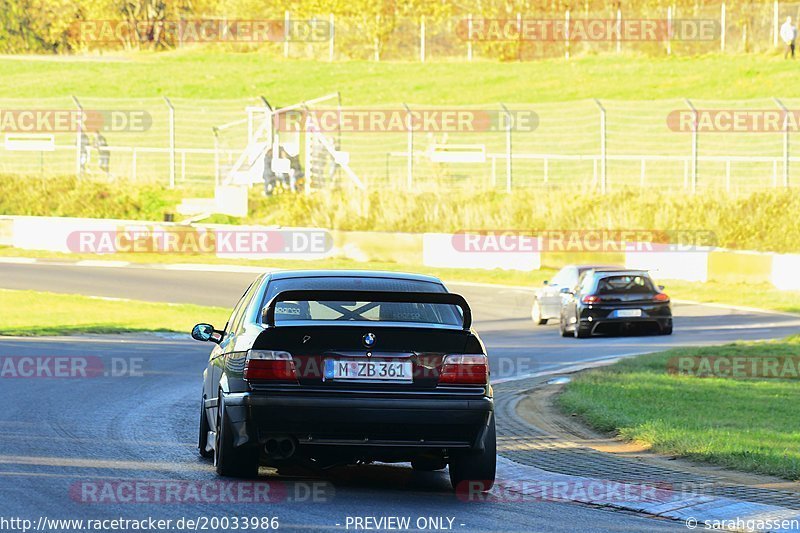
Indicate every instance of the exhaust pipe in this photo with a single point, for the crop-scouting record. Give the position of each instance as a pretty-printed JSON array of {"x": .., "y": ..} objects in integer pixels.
[
  {"x": 271, "y": 446},
  {"x": 287, "y": 447},
  {"x": 280, "y": 447}
]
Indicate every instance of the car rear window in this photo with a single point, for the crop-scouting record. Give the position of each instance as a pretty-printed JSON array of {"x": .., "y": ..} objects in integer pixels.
[
  {"x": 441, "y": 314},
  {"x": 637, "y": 284}
]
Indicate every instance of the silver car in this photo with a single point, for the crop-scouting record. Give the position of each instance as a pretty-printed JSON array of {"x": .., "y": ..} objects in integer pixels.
[{"x": 547, "y": 299}]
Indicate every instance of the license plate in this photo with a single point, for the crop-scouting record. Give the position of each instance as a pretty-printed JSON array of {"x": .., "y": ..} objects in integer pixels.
[
  {"x": 368, "y": 370},
  {"x": 626, "y": 313}
]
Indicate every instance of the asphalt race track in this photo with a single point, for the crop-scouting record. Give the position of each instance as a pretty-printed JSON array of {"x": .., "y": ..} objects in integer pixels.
[{"x": 70, "y": 445}]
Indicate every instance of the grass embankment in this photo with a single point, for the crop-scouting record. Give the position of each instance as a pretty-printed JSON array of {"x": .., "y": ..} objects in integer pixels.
[
  {"x": 745, "y": 424},
  {"x": 215, "y": 74},
  {"x": 32, "y": 313},
  {"x": 764, "y": 221}
]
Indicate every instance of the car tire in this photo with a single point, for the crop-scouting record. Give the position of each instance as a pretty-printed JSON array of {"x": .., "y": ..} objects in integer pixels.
[
  {"x": 563, "y": 328},
  {"x": 202, "y": 440},
  {"x": 536, "y": 313},
  {"x": 230, "y": 461},
  {"x": 428, "y": 464},
  {"x": 579, "y": 333},
  {"x": 476, "y": 468},
  {"x": 667, "y": 330}
]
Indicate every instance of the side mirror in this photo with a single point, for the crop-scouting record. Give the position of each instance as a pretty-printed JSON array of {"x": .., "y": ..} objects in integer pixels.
[
  {"x": 205, "y": 333},
  {"x": 565, "y": 290},
  {"x": 661, "y": 287},
  {"x": 545, "y": 282}
]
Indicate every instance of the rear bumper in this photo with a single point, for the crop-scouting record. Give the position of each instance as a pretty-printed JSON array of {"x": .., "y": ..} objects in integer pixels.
[
  {"x": 361, "y": 422},
  {"x": 604, "y": 324}
]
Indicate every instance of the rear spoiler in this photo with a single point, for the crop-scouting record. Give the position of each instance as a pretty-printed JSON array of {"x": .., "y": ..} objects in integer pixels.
[{"x": 268, "y": 314}]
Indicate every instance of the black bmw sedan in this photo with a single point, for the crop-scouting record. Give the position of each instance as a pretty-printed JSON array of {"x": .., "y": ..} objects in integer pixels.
[{"x": 341, "y": 367}]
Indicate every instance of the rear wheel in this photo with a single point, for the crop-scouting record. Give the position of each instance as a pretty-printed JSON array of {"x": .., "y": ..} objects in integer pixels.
[
  {"x": 667, "y": 330},
  {"x": 536, "y": 313},
  {"x": 580, "y": 333},
  {"x": 563, "y": 328},
  {"x": 202, "y": 441},
  {"x": 229, "y": 460},
  {"x": 470, "y": 471}
]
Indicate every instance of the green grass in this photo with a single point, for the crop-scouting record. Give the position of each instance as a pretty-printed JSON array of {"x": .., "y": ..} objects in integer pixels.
[
  {"x": 70, "y": 197},
  {"x": 212, "y": 74},
  {"x": 210, "y": 87},
  {"x": 756, "y": 295},
  {"x": 763, "y": 221},
  {"x": 30, "y": 313},
  {"x": 743, "y": 424}
]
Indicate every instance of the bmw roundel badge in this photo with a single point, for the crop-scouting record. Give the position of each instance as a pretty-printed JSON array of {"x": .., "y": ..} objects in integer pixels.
[{"x": 369, "y": 340}]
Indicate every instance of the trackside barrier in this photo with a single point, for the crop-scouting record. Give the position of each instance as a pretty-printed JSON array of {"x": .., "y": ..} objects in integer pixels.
[
  {"x": 432, "y": 250},
  {"x": 688, "y": 266}
]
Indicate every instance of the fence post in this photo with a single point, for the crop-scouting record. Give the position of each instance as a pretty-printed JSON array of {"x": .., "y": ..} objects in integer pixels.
[
  {"x": 171, "y": 143},
  {"x": 469, "y": 37},
  {"x": 669, "y": 30},
  {"x": 286, "y": 33},
  {"x": 375, "y": 41},
  {"x": 422, "y": 39},
  {"x": 722, "y": 28},
  {"x": 409, "y": 149},
  {"x": 566, "y": 33},
  {"x": 215, "y": 130},
  {"x": 694, "y": 145},
  {"x": 603, "y": 149},
  {"x": 619, "y": 29},
  {"x": 785, "y": 142},
  {"x": 509, "y": 125},
  {"x": 775, "y": 29},
  {"x": 331, "y": 42},
  {"x": 309, "y": 150},
  {"x": 79, "y": 142}
]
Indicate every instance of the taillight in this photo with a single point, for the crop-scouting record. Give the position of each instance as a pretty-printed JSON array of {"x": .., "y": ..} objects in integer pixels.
[
  {"x": 660, "y": 297},
  {"x": 590, "y": 299},
  {"x": 269, "y": 365},
  {"x": 465, "y": 369}
]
